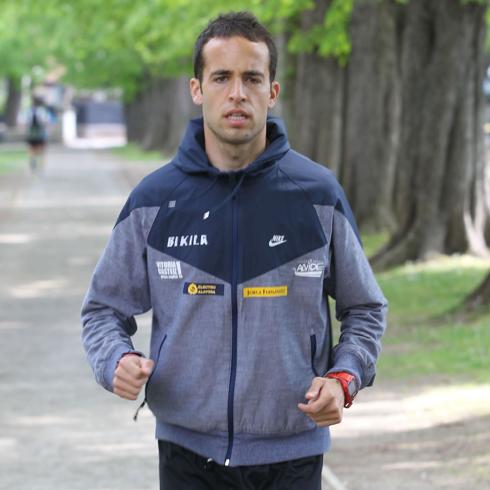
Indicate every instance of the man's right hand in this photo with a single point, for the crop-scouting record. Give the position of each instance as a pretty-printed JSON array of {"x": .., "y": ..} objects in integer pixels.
[{"x": 131, "y": 374}]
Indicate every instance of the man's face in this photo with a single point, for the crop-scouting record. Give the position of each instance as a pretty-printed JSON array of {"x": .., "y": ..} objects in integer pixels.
[{"x": 235, "y": 92}]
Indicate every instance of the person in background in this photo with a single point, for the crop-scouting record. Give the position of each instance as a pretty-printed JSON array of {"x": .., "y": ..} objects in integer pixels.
[
  {"x": 236, "y": 245},
  {"x": 37, "y": 135}
]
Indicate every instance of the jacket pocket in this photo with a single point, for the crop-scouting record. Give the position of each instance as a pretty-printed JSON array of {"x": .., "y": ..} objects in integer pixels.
[
  {"x": 157, "y": 358},
  {"x": 189, "y": 384},
  {"x": 313, "y": 353}
]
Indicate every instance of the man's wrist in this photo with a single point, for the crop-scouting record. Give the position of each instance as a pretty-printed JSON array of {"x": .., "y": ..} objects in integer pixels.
[
  {"x": 348, "y": 383},
  {"x": 130, "y": 353}
]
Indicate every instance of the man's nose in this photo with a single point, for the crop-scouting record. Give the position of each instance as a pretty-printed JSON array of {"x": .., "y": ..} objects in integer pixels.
[{"x": 237, "y": 92}]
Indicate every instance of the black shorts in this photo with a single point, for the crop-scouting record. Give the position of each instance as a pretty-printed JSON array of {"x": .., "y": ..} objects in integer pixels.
[
  {"x": 181, "y": 469},
  {"x": 36, "y": 143}
]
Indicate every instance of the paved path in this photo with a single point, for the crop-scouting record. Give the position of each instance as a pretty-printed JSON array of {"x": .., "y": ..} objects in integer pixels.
[{"x": 58, "y": 429}]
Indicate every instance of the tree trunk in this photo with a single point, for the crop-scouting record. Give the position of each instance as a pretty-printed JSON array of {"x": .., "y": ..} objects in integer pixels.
[
  {"x": 12, "y": 104},
  {"x": 480, "y": 296},
  {"x": 348, "y": 117},
  {"x": 372, "y": 114},
  {"x": 316, "y": 97},
  {"x": 402, "y": 124},
  {"x": 157, "y": 116},
  {"x": 440, "y": 168},
  {"x": 135, "y": 125}
]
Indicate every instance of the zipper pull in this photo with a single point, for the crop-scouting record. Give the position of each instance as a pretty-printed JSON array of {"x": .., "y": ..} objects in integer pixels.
[{"x": 135, "y": 416}]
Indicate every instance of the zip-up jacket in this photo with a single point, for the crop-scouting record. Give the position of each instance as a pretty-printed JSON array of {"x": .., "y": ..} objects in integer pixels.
[{"x": 237, "y": 267}]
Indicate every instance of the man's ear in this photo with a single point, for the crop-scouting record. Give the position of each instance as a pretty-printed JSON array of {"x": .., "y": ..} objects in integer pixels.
[
  {"x": 195, "y": 89},
  {"x": 274, "y": 94}
]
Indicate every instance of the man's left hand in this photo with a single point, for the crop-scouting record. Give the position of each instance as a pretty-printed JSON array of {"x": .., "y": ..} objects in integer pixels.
[{"x": 325, "y": 402}]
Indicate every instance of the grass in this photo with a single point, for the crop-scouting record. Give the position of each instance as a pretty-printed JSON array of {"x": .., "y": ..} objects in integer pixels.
[
  {"x": 373, "y": 242},
  {"x": 11, "y": 160},
  {"x": 426, "y": 336},
  {"x": 133, "y": 152}
]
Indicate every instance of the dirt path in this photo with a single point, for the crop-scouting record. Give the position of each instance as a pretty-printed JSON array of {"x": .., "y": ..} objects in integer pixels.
[{"x": 59, "y": 430}]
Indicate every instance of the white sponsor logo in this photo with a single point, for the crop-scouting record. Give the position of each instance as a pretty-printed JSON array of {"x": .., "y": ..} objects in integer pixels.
[
  {"x": 169, "y": 269},
  {"x": 311, "y": 268},
  {"x": 187, "y": 240},
  {"x": 277, "y": 240}
]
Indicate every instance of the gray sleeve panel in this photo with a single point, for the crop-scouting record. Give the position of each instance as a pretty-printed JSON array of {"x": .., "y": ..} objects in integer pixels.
[
  {"x": 360, "y": 305},
  {"x": 118, "y": 290}
]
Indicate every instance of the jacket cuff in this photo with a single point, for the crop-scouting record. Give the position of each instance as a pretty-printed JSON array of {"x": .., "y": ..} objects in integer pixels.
[
  {"x": 349, "y": 363},
  {"x": 111, "y": 365}
]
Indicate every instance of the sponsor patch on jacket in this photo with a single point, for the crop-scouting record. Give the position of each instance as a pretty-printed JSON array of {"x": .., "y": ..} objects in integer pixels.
[
  {"x": 169, "y": 269},
  {"x": 265, "y": 291},
  {"x": 204, "y": 289},
  {"x": 310, "y": 268}
]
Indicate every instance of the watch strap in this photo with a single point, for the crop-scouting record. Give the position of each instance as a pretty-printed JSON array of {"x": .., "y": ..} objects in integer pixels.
[{"x": 348, "y": 383}]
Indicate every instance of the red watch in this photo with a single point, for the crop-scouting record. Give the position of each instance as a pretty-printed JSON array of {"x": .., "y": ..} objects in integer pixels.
[{"x": 348, "y": 383}]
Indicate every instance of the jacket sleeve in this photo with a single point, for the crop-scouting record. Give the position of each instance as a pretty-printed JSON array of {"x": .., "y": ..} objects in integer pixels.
[
  {"x": 360, "y": 305},
  {"x": 118, "y": 290}
]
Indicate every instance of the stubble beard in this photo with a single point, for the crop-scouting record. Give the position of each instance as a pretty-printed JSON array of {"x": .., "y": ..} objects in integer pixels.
[{"x": 243, "y": 136}]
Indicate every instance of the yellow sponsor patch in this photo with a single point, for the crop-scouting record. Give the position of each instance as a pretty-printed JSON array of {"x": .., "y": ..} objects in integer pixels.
[
  {"x": 265, "y": 292},
  {"x": 203, "y": 289}
]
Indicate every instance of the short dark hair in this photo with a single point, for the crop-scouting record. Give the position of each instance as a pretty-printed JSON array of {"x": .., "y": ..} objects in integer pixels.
[{"x": 242, "y": 24}]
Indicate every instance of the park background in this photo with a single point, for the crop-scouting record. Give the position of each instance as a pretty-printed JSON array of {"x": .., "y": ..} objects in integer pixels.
[{"x": 393, "y": 96}]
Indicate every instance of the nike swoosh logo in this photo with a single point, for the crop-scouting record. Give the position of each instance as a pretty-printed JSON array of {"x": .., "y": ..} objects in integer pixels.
[{"x": 275, "y": 244}]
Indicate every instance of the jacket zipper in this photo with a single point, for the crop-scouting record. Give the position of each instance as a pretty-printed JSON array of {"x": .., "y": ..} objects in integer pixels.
[
  {"x": 135, "y": 416},
  {"x": 234, "y": 322}
]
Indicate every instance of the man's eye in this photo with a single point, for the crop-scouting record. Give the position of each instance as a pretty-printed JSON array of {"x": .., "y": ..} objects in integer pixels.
[
  {"x": 220, "y": 79},
  {"x": 255, "y": 81}
]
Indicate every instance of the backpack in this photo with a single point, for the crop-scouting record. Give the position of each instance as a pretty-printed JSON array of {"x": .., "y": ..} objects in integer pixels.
[{"x": 36, "y": 131}]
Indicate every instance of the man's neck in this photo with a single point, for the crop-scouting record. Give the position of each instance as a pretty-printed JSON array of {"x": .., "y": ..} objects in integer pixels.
[{"x": 228, "y": 158}]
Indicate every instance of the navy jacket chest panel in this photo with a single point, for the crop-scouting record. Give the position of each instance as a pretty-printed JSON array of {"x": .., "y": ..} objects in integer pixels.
[
  {"x": 181, "y": 231},
  {"x": 278, "y": 224}
]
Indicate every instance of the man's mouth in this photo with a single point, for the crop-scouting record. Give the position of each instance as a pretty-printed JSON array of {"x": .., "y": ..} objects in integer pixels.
[{"x": 236, "y": 116}]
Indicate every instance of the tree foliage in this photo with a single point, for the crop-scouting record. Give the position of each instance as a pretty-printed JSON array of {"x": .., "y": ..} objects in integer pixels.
[
  {"x": 327, "y": 38},
  {"x": 119, "y": 42},
  {"x": 20, "y": 35}
]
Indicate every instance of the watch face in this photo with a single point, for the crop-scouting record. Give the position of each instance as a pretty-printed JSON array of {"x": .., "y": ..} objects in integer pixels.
[
  {"x": 348, "y": 382},
  {"x": 352, "y": 388}
]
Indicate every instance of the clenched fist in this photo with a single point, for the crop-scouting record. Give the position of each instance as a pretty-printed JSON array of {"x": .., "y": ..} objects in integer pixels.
[
  {"x": 325, "y": 402},
  {"x": 131, "y": 374}
]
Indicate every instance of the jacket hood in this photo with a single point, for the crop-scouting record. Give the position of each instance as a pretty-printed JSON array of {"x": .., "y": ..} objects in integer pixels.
[{"x": 191, "y": 157}]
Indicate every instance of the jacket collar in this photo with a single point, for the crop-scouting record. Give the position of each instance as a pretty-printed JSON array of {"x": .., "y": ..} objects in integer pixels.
[{"x": 191, "y": 157}]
